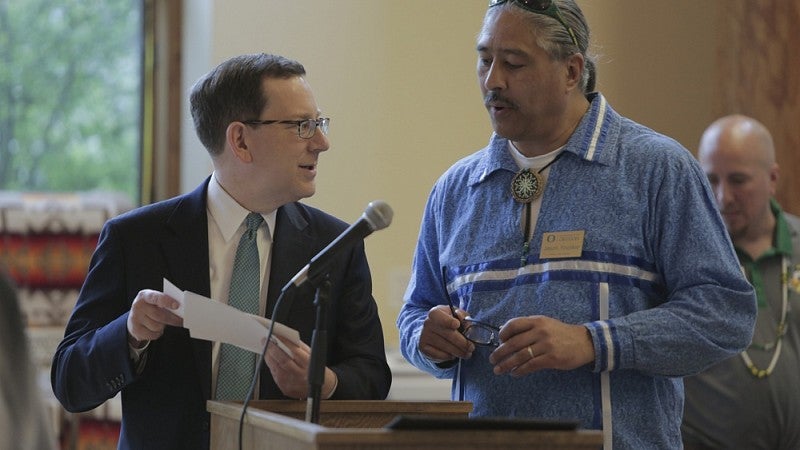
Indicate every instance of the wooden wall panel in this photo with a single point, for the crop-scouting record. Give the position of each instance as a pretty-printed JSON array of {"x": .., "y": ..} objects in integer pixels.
[{"x": 759, "y": 75}]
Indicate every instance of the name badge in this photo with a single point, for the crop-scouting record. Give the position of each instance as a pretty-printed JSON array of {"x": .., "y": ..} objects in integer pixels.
[{"x": 562, "y": 244}]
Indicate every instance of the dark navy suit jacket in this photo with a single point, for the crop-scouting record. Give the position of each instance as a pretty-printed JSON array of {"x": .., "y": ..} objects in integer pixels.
[{"x": 164, "y": 407}]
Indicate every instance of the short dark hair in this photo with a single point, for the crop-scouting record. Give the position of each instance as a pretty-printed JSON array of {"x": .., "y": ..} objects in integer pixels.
[{"x": 233, "y": 91}]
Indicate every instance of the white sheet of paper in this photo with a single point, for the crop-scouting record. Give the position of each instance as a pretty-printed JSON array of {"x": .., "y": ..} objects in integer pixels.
[
  {"x": 173, "y": 291},
  {"x": 215, "y": 321}
]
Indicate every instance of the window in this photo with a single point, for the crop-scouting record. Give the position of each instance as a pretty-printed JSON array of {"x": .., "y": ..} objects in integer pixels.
[
  {"x": 88, "y": 103},
  {"x": 71, "y": 96}
]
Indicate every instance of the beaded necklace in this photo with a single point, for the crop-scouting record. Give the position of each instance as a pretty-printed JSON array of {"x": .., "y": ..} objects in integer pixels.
[{"x": 779, "y": 333}]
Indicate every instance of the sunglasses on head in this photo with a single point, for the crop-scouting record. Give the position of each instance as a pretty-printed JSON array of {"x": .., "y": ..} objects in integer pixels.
[{"x": 546, "y": 7}]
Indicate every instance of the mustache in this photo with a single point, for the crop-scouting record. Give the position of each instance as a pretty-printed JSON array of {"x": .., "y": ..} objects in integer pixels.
[{"x": 494, "y": 99}]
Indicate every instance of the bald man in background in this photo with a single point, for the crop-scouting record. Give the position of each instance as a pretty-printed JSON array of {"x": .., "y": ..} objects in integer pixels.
[{"x": 752, "y": 401}]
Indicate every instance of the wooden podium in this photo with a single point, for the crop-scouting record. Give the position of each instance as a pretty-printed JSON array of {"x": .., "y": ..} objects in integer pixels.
[{"x": 359, "y": 425}]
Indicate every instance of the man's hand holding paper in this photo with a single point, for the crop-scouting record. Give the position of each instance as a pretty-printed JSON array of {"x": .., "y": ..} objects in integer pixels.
[
  {"x": 215, "y": 321},
  {"x": 151, "y": 311}
]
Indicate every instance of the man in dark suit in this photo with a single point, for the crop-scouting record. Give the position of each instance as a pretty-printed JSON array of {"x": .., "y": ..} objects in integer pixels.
[{"x": 257, "y": 117}]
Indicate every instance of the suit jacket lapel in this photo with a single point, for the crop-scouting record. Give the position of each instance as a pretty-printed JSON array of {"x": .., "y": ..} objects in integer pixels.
[
  {"x": 187, "y": 258},
  {"x": 291, "y": 250}
]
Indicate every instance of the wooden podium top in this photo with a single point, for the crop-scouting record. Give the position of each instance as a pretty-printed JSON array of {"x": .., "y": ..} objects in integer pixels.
[
  {"x": 352, "y": 413},
  {"x": 359, "y": 425}
]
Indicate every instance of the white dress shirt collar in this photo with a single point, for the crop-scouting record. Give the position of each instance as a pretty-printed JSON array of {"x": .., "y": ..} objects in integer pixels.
[{"x": 228, "y": 213}]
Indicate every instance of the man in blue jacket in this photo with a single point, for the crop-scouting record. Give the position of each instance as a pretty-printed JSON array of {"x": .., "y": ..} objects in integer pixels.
[{"x": 585, "y": 248}]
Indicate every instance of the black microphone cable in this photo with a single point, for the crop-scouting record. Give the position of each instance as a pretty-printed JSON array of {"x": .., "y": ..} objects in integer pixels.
[{"x": 257, "y": 372}]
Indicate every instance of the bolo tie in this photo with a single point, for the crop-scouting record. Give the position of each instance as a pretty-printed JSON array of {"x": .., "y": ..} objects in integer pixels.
[{"x": 527, "y": 186}]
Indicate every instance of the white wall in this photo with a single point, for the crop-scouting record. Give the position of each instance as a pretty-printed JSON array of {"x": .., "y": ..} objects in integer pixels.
[{"x": 198, "y": 35}]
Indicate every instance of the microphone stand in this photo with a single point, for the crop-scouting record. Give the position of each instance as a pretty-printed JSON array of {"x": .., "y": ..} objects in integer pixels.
[{"x": 319, "y": 344}]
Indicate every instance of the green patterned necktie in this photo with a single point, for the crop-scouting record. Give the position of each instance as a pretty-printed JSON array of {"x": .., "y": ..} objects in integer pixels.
[{"x": 237, "y": 365}]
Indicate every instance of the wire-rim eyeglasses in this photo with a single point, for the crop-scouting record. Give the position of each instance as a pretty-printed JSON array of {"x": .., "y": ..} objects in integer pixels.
[{"x": 305, "y": 128}]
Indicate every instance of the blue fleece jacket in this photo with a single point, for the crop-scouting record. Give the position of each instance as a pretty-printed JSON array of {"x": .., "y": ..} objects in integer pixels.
[{"x": 657, "y": 283}]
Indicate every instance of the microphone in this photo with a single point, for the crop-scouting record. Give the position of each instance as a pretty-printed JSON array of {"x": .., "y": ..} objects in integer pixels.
[{"x": 377, "y": 216}]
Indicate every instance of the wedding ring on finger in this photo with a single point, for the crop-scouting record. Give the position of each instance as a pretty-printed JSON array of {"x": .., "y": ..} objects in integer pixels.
[{"x": 530, "y": 352}]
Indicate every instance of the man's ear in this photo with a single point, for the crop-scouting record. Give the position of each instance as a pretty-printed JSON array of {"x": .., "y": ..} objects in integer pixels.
[
  {"x": 575, "y": 65},
  {"x": 236, "y": 139},
  {"x": 774, "y": 174}
]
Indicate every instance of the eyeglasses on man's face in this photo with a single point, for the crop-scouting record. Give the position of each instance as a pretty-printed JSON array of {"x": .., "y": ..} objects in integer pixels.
[
  {"x": 546, "y": 7},
  {"x": 305, "y": 128}
]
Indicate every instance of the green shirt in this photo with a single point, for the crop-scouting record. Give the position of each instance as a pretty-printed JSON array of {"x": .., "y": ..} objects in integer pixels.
[
  {"x": 726, "y": 406},
  {"x": 781, "y": 246}
]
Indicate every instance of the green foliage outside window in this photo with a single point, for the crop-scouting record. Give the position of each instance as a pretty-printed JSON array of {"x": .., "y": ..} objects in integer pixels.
[{"x": 70, "y": 95}]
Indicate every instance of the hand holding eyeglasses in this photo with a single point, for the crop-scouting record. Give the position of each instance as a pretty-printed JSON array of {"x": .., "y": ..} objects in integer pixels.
[
  {"x": 521, "y": 346},
  {"x": 441, "y": 338},
  {"x": 538, "y": 342}
]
